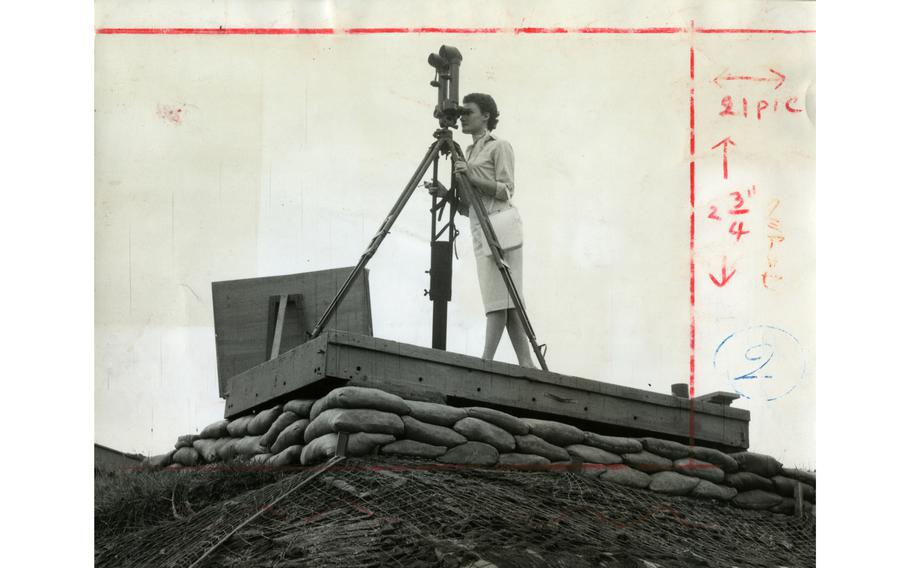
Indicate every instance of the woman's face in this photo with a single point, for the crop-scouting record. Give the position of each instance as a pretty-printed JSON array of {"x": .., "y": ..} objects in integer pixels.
[{"x": 473, "y": 122}]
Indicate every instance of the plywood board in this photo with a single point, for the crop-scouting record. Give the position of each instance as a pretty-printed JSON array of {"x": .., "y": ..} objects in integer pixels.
[{"x": 244, "y": 328}]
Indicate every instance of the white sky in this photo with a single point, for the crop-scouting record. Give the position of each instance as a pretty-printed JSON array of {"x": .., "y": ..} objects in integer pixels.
[{"x": 291, "y": 150}]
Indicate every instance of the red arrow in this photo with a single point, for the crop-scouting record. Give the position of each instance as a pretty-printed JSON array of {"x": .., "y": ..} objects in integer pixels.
[
  {"x": 725, "y": 141},
  {"x": 724, "y": 277},
  {"x": 780, "y": 78}
]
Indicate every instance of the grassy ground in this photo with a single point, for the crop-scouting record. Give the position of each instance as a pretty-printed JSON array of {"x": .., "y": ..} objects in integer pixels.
[{"x": 133, "y": 499}]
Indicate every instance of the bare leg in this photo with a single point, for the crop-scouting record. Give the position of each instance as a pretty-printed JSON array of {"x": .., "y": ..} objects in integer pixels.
[
  {"x": 496, "y": 322},
  {"x": 519, "y": 339}
]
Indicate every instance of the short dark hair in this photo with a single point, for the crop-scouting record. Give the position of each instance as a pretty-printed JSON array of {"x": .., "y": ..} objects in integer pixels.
[{"x": 487, "y": 105}]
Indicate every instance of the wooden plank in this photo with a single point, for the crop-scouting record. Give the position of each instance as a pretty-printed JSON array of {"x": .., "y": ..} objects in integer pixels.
[
  {"x": 547, "y": 377},
  {"x": 718, "y": 397},
  {"x": 463, "y": 380},
  {"x": 241, "y": 314},
  {"x": 290, "y": 374},
  {"x": 279, "y": 325}
]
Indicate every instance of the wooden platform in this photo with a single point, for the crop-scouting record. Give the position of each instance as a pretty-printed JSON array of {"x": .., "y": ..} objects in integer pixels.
[{"x": 339, "y": 358}]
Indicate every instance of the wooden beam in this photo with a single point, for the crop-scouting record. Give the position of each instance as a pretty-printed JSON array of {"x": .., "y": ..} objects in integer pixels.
[
  {"x": 719, "y": 397},
  {"x": 279, "y": 325}
]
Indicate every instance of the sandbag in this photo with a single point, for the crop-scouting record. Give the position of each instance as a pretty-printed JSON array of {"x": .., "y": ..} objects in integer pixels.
[
  {"x": 287, "y": 456},
  {"x": 185, "y": 456},
  {"x": 613, "y": 444},
  {"x": 481, "y": 431},
  {"x": 788, "y": 506},
  {"x": 261, "y": 421},
  {"x": 237, "y": 428},
  {"x": 707, "y": 490},
  {"x": 471, "y": 453},
  {"x": 215, "y": 430},
  {"x": 260, "y": 459},
  {"x": 186, "y": 441},
  {"x": 697, "y": 468},
  {"x": 413, "y": 448},
  {"x": 717, "y": 457},
  {"x": 226, "y": 449},
  {"x": 359, "y": 444},
  {"x": 499, "y": 418},
  {"x": 647, "y": 462},
  {"x": 290, "y": 436},
  {"x": 590, "y": 469},
  {"x": 522, "y": 459},
  {"x": 433, "y": 434},
  {"x": 590, "y": 454},
  {"x": 672, "y": 483},
  {"x": 284, "y": 420},
  {"x": 786, "y": 487},
  {"x": 207, "y": 449},
  {"x": 744, "y": 481},
  {"x": 531, "y": 444},
  {"x": 555, "y": 432},
  {"x": 360, "y": 397},
  {"x": 161, "y": 460},
  {"x": 353, "y": 420},
  {"x": 665, "y": 448},
  {"x": 625, "y": 475},
  {"x": 807, "y": 477},
  {"x": 757, "y": 499},
  {"x": 759, "y": 464},
  {"x": 249, "y": 446},
  {"x": 299, "y": 406},
  {"x": 432, "y": 413}
]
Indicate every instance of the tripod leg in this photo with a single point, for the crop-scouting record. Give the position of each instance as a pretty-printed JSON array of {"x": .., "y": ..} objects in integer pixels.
[
  {"x": 379, "y": 236},
  {"x": 467, "y": 190}
]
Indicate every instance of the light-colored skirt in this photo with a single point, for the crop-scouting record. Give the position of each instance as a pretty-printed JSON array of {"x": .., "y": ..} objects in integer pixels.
[{"x": 492, "y": 287}]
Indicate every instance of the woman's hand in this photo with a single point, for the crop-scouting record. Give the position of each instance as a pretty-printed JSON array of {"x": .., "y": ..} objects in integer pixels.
[
  {"x": 462, "y": 168},
  {"x": 436, "y": 190}
]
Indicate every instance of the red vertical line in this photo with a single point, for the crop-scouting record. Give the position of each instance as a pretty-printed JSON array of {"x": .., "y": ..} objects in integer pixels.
[{"x": 691, "y": 232}]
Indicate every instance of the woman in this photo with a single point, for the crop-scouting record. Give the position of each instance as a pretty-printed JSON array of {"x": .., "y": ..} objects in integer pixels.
[{"x": 490, "y": 168}]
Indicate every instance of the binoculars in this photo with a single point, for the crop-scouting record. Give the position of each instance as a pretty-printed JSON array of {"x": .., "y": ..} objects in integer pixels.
[{"x": 446, "y": 63}]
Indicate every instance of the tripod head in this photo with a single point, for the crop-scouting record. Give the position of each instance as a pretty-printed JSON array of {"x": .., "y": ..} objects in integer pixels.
[{"x": 446, "y": 63}]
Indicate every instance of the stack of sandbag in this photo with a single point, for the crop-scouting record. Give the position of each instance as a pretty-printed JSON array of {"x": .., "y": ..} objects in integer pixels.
[
  {"x": 371, "y": 417},
  {"x": 377, "y": 422},
  {"x": 273, "y": 436}
]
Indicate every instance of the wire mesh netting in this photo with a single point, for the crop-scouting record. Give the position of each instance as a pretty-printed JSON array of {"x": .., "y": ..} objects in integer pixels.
[{"x": 393, "y": 512}]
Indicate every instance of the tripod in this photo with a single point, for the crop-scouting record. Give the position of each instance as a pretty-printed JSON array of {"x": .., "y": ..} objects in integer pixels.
[{"x": 441, "y": 250}]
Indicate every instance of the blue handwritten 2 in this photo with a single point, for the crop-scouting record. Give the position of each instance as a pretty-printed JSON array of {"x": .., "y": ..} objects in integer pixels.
[
  {"x": 758, "y": 356},
  {"x": 751, "y": 374}
]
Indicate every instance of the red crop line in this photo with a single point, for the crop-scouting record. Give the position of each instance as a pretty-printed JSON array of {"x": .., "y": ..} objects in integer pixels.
[
  {"x": 423, "y": 30},
  {"x": 541, "y": 30},
  {"x": 215, "y": 31},
  {"x": 389, "y": 30},
  {"x": 749, "y": 31},
  {"x": 630, "y": 30},
  {"x": 457, "y": 30},
  {"x": 691, "y": 232}
]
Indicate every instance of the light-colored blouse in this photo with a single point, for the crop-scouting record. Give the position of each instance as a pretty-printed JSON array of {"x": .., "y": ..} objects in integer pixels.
[{"x": 492, "y": 159}]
